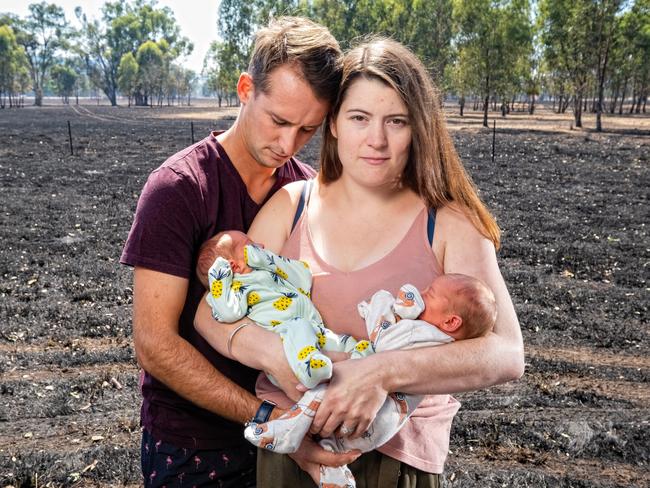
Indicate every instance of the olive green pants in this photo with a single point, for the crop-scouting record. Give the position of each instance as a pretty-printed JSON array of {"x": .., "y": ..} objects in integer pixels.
[{"x": 371, "y": 470}]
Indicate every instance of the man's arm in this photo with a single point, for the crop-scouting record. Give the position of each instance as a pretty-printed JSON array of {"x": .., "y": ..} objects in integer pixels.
[{"x": 158, "y": 299}]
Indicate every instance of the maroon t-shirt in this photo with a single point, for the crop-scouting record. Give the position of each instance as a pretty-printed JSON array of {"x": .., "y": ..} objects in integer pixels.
[{"x": 194, "y": 195}]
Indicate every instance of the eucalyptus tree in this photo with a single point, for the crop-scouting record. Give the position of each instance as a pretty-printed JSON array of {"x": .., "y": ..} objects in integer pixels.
[
  {"x": 14, "y": 68},
  {"x": 127, "y": 76},
  {"x": 492, "y": 37},
  {"x": 124, "y": 28},
  {"x": 64, "y": 78},
  {"x": 44, "y": 36}
]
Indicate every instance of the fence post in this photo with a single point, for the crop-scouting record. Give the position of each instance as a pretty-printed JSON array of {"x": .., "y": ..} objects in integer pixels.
[
  {"x": 192, "y": 130},
  {"x": 70, "y": 138}
]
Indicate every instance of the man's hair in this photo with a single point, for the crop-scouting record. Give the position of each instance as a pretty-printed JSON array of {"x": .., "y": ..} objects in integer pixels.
[
  {"x": 304, "y": 45},
  {"x": 473, "y": 301},
  {"x": 209, "y": 251}
]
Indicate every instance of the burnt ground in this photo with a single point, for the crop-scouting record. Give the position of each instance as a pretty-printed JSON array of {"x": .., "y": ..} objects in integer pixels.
[{"x": 573, "y": 206}]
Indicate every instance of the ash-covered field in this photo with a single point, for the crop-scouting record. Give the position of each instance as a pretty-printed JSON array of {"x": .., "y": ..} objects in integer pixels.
[{"x": 573, "y": 206}]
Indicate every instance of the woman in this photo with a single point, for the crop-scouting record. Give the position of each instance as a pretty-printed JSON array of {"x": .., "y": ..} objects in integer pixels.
[{"x": 387, "y": 164}]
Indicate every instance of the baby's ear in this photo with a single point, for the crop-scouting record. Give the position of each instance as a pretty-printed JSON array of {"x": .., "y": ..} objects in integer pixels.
[{"x": 452, "y": 323}]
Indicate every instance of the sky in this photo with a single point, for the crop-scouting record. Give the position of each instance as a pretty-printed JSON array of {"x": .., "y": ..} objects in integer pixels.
[{"x": 196, "y": 18}]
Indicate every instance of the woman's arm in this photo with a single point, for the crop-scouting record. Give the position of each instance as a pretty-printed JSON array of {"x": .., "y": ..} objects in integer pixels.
[
  {"x": 252, "y": 345},
  {"x": 358, "y": 387}
]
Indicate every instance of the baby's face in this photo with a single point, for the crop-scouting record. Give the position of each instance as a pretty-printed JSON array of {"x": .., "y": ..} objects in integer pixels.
[
  {"x": 436, "y": 303},
  {"x": 238, "y": 246}
]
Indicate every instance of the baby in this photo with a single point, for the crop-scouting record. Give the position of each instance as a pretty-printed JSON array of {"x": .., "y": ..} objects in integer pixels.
[
  {"x": 273, "y": 291},
  {"x": 453, "y": 307}
]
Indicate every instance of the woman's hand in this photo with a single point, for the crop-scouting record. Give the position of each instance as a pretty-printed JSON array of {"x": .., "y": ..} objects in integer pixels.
[{"x": 353, "y": 398}]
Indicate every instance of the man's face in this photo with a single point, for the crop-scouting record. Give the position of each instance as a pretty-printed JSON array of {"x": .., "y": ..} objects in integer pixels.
[{"x": 277, "y": 123}]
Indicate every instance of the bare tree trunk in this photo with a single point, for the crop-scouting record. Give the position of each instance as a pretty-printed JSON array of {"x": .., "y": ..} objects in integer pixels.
[
  {"x": 531, "y": 107},
  {"x": 577, "y": 109},
  {"x": 601, "y": 89},
  {"x": 38, "y": 97},
  {"x": 487, "y": 99},
  {"x": 620, "y": 108}
]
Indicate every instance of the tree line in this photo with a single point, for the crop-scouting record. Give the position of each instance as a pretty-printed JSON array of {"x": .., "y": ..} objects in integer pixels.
[
  {"x": 499, "y": 55},
  {"x": 592, "y": 55},
  {"x": 132, "y": 49}
]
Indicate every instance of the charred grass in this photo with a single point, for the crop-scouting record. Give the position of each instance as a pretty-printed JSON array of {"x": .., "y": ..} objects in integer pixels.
[{"x": 573, "y": 207}]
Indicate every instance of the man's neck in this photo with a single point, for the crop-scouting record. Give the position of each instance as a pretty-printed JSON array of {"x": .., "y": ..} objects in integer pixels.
[{"x": 257, "y": 178}]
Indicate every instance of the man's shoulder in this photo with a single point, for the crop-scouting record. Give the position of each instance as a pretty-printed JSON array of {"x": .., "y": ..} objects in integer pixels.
[{"x": 192, "y": 156}]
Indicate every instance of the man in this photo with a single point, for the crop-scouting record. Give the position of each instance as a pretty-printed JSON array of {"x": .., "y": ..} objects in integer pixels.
[{"x": 195, "y": 400}]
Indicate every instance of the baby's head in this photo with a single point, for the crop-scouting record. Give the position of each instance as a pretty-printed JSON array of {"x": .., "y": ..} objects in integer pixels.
[
  {"x": 229, "y": 245},
  {"x": 460, "y": 305}
]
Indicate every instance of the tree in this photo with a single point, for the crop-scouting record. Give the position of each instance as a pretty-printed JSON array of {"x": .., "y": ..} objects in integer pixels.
[
  {"x": 13, "y": 64},
  {"x": 236, "y": 25},
  {"x": 65, "y": 79},
  {"x": 605, "y": 23},
  {"x": 150, "y": 59},
  {"x": 428, "y": 32},
  {"x": 45, "y": 36},
  {"x": 127, "y": 75},
  {"x": 567, "y": 37},
  {"x": 495, "y": 36},
  {"x": 124, "y": 28},
  {"x": 636, "y": 35}
]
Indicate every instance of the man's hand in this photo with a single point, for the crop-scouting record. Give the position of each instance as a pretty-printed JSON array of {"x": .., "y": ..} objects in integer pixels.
[
  {"x": 310, "y": 456},
  {"x": 353, "y": 398}
]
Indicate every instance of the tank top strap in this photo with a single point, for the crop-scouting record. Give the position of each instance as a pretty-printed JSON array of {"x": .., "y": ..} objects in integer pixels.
[
  {"x": 304, "y": 200},
  {"x": 431, "y": 224}
]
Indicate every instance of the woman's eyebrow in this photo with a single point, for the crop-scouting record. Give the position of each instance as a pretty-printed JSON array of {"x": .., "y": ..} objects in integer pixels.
[{"x": 365, "y": 112}]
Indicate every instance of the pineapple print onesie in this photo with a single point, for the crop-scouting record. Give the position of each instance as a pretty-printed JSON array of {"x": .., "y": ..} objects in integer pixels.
[
  {"x": 276, "y": 295},
  {"x": 385, "y": 333}
]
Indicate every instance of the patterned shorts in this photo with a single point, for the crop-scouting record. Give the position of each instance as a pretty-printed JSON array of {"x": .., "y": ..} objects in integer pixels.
[{"x": 165, "y": 465}]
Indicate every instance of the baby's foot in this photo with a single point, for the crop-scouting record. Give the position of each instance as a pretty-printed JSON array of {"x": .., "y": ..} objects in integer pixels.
[
  {"x": 314, "y": 369},
  {"x": 285, "y": 434},
  {"x": 339, "y": 477},
  {"x": 335, "y": 477}
]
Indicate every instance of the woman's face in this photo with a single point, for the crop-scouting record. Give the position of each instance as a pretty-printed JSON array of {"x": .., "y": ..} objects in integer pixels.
[{"x": 373, "y": 134}]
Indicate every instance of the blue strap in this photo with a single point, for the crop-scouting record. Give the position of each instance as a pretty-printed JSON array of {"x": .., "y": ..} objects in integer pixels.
[
  {"x": 431, "y": 225},
  {"x": 304, "y": 195}
]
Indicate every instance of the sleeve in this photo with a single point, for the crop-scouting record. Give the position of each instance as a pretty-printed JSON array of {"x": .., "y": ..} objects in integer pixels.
[
  {"x": 165, "y": 229},
  {"x": 226, "y": 299},
  {"x": 297, "y": 273},
  {"x": 409, "y": 303}
]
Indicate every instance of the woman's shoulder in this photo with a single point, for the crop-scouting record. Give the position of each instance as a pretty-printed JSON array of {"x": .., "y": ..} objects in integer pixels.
[
  {"x": 454, "y": 214},
  {"x": 454, "y": 224},
  {"x": 273, "y": 223}
]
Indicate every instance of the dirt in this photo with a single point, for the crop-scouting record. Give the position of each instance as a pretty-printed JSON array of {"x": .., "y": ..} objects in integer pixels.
[{"x": 573, "y": 207}]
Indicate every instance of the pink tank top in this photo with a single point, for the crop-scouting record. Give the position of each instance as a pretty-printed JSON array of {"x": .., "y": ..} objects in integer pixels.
[{"x": 424, "y": 441}]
